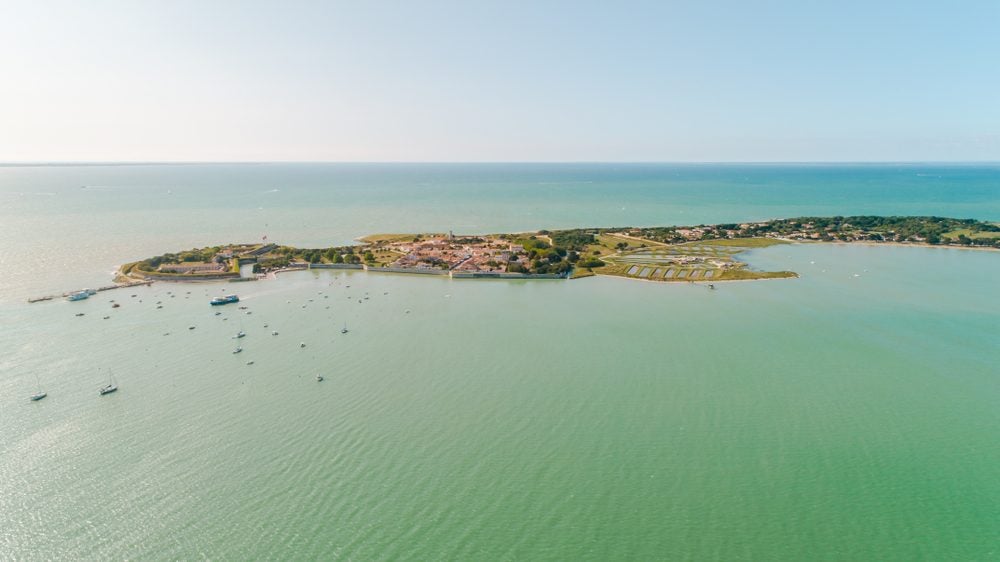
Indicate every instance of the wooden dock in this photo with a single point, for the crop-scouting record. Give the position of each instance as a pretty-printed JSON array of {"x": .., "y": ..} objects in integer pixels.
[{"x": 104, "y": 288}]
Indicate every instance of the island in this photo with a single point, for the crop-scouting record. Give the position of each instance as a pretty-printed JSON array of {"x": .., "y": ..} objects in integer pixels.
[{"x": 665, "y": 254}]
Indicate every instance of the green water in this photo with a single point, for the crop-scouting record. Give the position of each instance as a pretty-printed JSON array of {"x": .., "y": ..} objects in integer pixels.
[
  {"x": 831, "y": 417},
  {"x": 850, "y": 414}
]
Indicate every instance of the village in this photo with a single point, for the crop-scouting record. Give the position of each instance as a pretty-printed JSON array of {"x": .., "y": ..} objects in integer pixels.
[{"x": 478, "y": 254}]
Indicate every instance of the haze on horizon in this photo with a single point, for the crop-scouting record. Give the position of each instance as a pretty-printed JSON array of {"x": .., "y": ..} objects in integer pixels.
[{"x": 496, "y": 81}]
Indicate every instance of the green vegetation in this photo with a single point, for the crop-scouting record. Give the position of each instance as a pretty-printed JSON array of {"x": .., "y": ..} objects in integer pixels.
[
  {"x": 928, "y": 230},
  {"x": 542, "y": 257},
  {"x": 384, "y": 238},
  {"x": 692, "y": 253},
  {"x": 739, "y": 242},
  {"x": 744, "y": 274},
  {"x": 970, "y": 234}
]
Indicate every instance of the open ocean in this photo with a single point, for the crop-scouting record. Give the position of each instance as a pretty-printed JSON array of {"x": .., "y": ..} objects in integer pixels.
[{"x": 850, "y": 414}]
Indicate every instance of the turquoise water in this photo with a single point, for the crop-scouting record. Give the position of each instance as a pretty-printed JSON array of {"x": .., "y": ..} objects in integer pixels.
[
  {"x": 54, "y": 231},
  {"x": 849, "y": 414}
]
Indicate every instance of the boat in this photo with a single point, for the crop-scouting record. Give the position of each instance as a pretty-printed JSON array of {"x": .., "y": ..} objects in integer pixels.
[
  {"x": 274, "y": 332},
  {"x": 116, "y": 305},
  {"x": 237, "y": 350},
  {"x": 218, "y": 313},
  {"x": 319, "y": 378},
  {"x": 344, "y": 329},
  {"x": 239, "y": 334},
  {"x": 112, "y": 386},
  {"x": 38, "y": 395},
  {"x": 78, "y": 296},
  {"x": 224, "y": 300},
  {"x": 302, "y": 344}
]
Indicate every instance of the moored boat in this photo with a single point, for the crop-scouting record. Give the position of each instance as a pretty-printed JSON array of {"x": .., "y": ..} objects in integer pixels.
[{"x": 112, "y": 386}]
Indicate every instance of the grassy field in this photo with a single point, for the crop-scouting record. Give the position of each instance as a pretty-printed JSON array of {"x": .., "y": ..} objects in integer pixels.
[
  {"x": 384, "y": 257},
  {"x": 969, "y": 234},
  {"x": 610, "y": 240},
  {"x": 744, "y": 274},
  {"x": 376, "y": 238},
  {"x": 737, "y": 242}
]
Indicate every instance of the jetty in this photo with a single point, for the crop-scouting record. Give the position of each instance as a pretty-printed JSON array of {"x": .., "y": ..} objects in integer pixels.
[{"x": 104, "y": 288}]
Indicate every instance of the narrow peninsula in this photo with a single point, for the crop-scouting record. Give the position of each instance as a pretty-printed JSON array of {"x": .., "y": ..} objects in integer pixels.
[{"x": 668, "y": 254}]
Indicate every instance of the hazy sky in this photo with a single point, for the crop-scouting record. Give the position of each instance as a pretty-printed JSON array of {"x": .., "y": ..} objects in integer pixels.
[{"x": 499, "y": 81}]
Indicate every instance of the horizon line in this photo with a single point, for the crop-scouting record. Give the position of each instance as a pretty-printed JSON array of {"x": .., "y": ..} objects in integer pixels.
[{"x": 41, "y": 163}]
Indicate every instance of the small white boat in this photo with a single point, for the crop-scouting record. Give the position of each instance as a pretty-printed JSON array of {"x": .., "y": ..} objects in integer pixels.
[
  {"x": 249, "y": 362},
  {"x": 319, "y": 378},
  {"x": 344, "y": 329},
  {"x": 239, "y": 335},
  {"x": 237, "y": 350},
  {"x": 274, "y": 332},
  {"x": 112, "y": 386},
  {"x": 302, "y": 344},
  {"x": 40, "y": 394}
]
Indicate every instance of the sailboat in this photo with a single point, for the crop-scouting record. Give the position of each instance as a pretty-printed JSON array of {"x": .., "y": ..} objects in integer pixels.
[
  {"x": 112, "y": 386},
  {"x": 38, "y": 395}
]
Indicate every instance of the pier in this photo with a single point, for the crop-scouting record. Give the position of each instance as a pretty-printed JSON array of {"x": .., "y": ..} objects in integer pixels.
[{"x": 104, "y": 288}]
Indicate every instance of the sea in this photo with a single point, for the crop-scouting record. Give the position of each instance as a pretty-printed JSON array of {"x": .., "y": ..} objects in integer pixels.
[{"x": 852, "y": 413}]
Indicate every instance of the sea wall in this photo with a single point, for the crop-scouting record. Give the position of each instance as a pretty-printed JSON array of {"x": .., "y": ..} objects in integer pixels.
[
  {"x": 420, "y": 271},
  {"x": 182, "y": 277},
  {"x": 336, "y": 266},
  {"x": 504, "y": 275}
]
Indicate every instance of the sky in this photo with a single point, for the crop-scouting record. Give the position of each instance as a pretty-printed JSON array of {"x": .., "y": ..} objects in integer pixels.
[{"x": 470, "y": 81}]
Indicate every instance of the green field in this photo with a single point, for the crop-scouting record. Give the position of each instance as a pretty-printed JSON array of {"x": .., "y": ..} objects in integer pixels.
[
  {"x": 970, "y": 234},
  {"x": 738, "y": 242}
]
